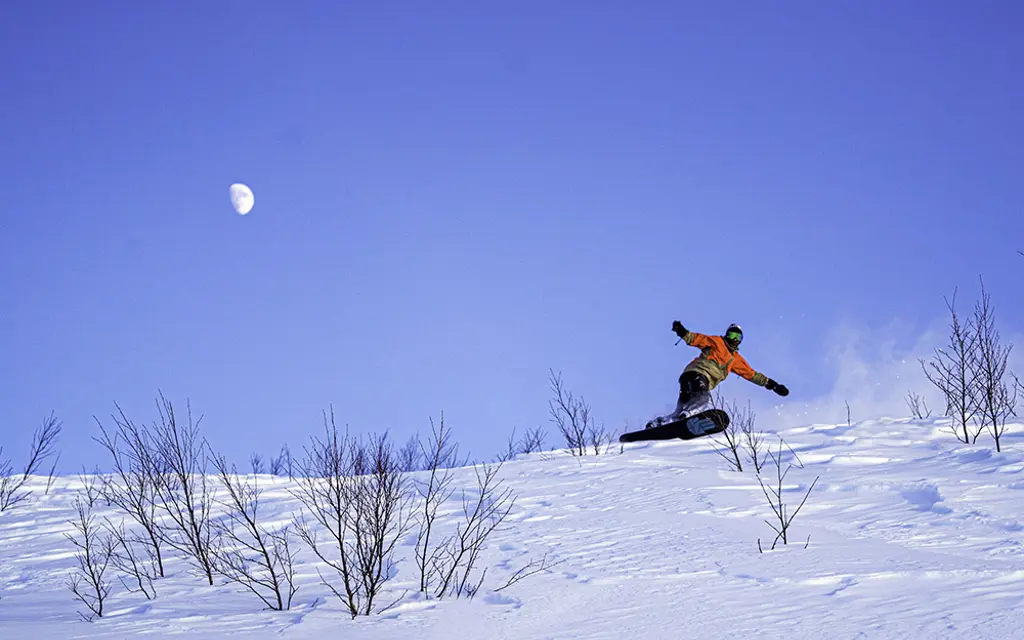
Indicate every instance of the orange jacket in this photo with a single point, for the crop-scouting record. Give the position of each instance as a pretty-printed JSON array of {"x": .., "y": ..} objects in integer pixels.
[{"x": 716, "y": 360}]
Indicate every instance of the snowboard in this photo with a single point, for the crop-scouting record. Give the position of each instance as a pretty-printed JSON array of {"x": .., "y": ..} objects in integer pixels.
[{"x": 698, "y": 425}]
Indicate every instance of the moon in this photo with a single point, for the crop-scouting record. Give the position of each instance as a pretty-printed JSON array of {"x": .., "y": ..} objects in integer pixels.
[{"x": 242, "y": 198}]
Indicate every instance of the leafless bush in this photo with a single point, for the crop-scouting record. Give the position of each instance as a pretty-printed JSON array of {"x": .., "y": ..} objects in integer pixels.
[
  {"x": 44, "y": 446},
  {"x": 183, "y": 492},
  {"x": 134, "y": 558},
  {"x": 249, "y": 554},
  {"x": 952, "y": 372},
  {"x": 753, "y": 441},
  {"x": 93, "y": 551},
  {"x": 918, "y": 407},
  {"x": 531, "y": 441},
  {"x": 358, "y": 493},
  {"x": 997, "y": 400},
  {"x": 740, "y": 436},
  {"x": 571, "y": 416},
  {"x": 282, "y": 464},
  {"x": 409, "y": 456},
  {"x": 773, "y": 493},
  {"x": 457, "y": 556},
  {"x": 530, "y": 569},
  {"x": 447, "y": 565},
  {"x": 256, "y": 462},
  {"x": 600, "y": 439},
  {"x": 729, "y": 448},
  {"x": 92, "y": 487},
  {"x": 132, "y": 485},
  {"x": 383, "y": 512},
  {"x": 440, "y": 456}
]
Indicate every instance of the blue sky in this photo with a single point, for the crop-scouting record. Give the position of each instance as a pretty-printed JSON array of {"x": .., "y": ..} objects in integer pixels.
[{"x": 454, "y": 197}]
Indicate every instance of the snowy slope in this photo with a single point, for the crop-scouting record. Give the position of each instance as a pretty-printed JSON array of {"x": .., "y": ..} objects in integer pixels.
[{"x": 912, "y": 535}]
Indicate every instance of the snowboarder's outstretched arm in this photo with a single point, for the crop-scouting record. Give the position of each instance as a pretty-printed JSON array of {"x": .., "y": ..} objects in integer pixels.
[
  {"x": 744, "y": 370},
  {"x": 691, "y": 338}
]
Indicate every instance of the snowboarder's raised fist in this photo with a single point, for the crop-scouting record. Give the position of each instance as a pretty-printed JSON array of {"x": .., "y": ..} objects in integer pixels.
[
  {"x": 777, "y": 388},
  {"x": 679, "y": 329}
]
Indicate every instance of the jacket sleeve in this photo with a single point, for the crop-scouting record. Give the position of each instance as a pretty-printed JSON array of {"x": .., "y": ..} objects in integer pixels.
[
  {"x": 741, "y": 368},
  {"x": 698, "y": 340}
]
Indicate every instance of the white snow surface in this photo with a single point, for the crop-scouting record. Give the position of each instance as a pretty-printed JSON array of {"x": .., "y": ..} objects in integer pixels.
[{"x": 911, "y": 535}]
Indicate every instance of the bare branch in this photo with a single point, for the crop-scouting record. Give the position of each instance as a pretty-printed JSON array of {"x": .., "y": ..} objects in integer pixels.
[
  {"x": 951, "y": 371},
  {"x": 251, "y": 555},
  {"x": 127, "y": 559},
  {"x": 571, "y": 416},
  {"x": 183, "y": 492},
  {"x": 729, "y": 450},
  {"x": 482, "y": 516},
  {"x": 93, "y": 552},
  {"x": 282, "y": 464},
  {"x": 773, "y": 494},
  {"x": 440, "y": 456},
  {"x": 132, "y": 487},
  {"x": 44, "y": 446},
  {"x": 409, "y": 455},
  {"x": 531, "y": 569},
  {"x": 918, "y": 407},
  {"x": 997, "y": 399},
  {"x": 256, "y": 462},
  {"x": 92, "y": 489},
  {"x": 358, "y": 493}
]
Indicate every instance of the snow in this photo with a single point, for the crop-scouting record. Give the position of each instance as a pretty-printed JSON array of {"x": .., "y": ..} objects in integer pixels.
[{"x": 911, "y": 535}]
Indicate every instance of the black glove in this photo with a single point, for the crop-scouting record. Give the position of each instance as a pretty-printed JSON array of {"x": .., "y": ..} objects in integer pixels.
[
  {"x": 777, "y": 388},
  {"x": 679, "y": 329}
]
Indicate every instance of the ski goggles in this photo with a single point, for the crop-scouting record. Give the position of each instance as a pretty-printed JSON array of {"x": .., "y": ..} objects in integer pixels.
[{"x": 733, "y": 336}]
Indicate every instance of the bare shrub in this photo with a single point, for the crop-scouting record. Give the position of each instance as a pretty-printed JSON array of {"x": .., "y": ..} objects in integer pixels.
[
  {"x": 134, "y": 559},
  {"x": 753, "y": 440},
  {"x": 532, "y": 568},
  {"x": 440, "y": 457},
  {"x": 409, "y": 455},
  {"x": 510, "y": 451},
  {"x": 918, "y": 407},
  {"x": 530, "y": 442},
  {"x": 997, "y": 400},
  {"x": 92, "y": 489},
  {"x": 183, "y": 491},
  {"x": 740, "y": 437},
  {"x": 282, "y": 464},
  {"x": 773, "y": 493},
  {"x": 44, "y": 447},
  {"x": 256, "y": 462},
  {"x": 600, "y": 439},
  {"x": 357, "y": 493},
  {"x": 249, "y": 554},
  {"x": 571, "y": 416},
  {"x": 483, "y": 511},
  {"x": 133, "y": 484},
  {"x": 732, "y": 436},
  {"x": 383, "y": 513},
  {"x": 93, "y": 551},
  {"x": 447, "y": 563},
  {"x": 951, "y": 371}
]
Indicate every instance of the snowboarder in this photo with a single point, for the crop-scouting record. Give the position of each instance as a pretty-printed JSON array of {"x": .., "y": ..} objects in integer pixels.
[{"x": 719, "y": 356}]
